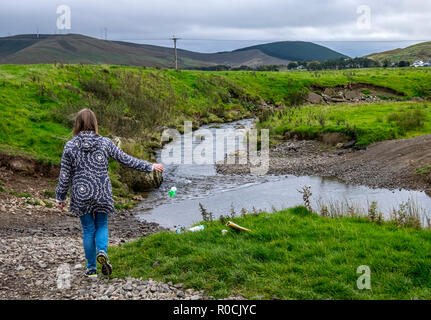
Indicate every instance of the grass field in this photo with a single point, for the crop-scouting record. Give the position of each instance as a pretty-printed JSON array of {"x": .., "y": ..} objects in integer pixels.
[
  {"x": 290, "y": 254},
  {"x": 30, "y": 93},
  {"x": 367, "y": 123}
]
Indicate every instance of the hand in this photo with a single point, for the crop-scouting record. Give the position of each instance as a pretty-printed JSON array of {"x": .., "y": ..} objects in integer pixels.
[
  {"x": 158, "y": 167},
  {"x": 61, "y": 205}
]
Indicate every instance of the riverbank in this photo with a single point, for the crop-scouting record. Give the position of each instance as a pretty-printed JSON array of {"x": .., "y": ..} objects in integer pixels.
[
  {"x": 36, "y": 239},
  {"x": 393, "y": 164},
  {"x": 134, "y": 105}
]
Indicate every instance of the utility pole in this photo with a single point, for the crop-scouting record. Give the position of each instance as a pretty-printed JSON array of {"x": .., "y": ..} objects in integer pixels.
[{"x": 175, "y": 49}]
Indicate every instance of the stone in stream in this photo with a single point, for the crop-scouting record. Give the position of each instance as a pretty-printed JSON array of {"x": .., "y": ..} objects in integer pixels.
[
  {"x": 137, "y": 181},
  {"x": 140, "y": 181}
]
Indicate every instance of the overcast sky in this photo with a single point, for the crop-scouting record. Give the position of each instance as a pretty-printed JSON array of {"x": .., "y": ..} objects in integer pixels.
[{"x": 214, "y": 20}]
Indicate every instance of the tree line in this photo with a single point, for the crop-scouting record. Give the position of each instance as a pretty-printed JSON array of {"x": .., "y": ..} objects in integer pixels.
[{"x": 333, "y": 64}]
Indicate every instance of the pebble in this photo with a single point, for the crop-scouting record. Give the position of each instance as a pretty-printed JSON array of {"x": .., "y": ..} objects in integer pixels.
[
  {"x": 45, "y": 284},
  {"x": 42, "y": 257}
]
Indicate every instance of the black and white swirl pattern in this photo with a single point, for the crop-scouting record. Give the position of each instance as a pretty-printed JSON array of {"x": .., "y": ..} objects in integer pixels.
[
  {"x": 85, "y": 187},
  {"x": 95, "y": 162},
  {"x": 84, "y": 168}
]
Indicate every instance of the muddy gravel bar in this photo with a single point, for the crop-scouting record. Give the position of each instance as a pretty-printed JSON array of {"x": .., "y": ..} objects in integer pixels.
[{"x": 394, "y": 164}]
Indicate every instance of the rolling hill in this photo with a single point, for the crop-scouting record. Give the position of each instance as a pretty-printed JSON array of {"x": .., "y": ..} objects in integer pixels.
[
  {"x": 75, "y": 48},
  {"x": 296, "y": 51},
  {"x": 420, "y": 51}
]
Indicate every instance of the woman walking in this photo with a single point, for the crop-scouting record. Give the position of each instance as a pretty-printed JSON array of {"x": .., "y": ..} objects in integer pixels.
[{"x": 84, "y": 167}]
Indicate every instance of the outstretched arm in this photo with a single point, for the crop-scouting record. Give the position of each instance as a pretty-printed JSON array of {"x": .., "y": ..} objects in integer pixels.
[
  {"x": 64, "y": 178},
  {"x": 131, "y": 162}
]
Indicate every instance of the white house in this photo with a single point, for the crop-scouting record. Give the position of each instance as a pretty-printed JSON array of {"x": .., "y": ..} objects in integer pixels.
[{"x": 418, "y": 63}]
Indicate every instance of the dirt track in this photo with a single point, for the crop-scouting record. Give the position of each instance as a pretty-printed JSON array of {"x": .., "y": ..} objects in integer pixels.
[
  {"x": 35, "y": 240},
  {"x": 39, "y": 246},
  {"x": 388, "y": 164}
]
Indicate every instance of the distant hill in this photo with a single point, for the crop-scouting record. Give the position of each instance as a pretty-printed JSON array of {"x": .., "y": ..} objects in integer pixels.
[
  {"x": 75, "y": 48},
  {"x": 297, "y": 51},
  {"x": 420, "y": 51}
]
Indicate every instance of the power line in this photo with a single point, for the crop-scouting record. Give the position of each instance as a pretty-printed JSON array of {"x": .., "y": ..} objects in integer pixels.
[
  {"x": 105, "y": 35},
  {"x": 175, "y": 50}
]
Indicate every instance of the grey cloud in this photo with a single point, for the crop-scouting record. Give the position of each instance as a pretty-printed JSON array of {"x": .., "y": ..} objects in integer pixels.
[{"x": 224, "y": 19}]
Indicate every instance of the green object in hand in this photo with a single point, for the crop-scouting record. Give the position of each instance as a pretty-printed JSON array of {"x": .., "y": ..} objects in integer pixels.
[{"x": 172, "y": 192}]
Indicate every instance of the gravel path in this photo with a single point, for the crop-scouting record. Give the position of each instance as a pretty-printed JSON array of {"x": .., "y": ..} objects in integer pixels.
[
  {"x": 41, "y": 253},
  {"x": 49, "y": 263},
  {"x": 34, "y": 268}
]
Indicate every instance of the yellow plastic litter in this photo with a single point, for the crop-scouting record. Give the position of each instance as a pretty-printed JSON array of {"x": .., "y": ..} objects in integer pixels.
[{"x": 237, "y": 227}]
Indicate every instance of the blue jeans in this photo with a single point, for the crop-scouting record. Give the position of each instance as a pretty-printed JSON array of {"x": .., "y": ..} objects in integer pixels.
[{"x": 95, "y": 236}]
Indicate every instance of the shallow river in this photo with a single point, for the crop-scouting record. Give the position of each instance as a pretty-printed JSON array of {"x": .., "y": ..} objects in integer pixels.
[{"x": 218, "y": 193}]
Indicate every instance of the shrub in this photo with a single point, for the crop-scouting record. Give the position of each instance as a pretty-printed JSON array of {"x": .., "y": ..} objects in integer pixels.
[
  {"x": 101, "y": 89},
  {"x": 296, "y": 97},
  {"x": 408, "y": 120}
]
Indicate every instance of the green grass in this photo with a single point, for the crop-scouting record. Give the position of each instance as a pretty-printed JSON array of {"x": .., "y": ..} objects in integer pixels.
[
  {"x": 49, "y": 194},
  {"x": 37, "y": 102},
  {"x": 367, "y": 123},
  {"x": 30, "y": 93},
  {"x": 20, "y": 194},
  {"x": 425, "y": 170},
  {"x": 291, "y": 254}
]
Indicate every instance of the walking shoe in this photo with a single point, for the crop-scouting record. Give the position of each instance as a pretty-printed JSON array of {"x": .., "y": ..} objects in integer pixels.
[
  {"x": 91, "y": 273},
  {"x": 102, "y": 258}
]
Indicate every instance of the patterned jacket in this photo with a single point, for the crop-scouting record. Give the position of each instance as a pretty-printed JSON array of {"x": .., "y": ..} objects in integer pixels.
[{"x": 84, "y": 167}]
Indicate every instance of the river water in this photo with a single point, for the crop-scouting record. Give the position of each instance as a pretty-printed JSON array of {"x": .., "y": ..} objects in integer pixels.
[{"x": 219, "y": 193}]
